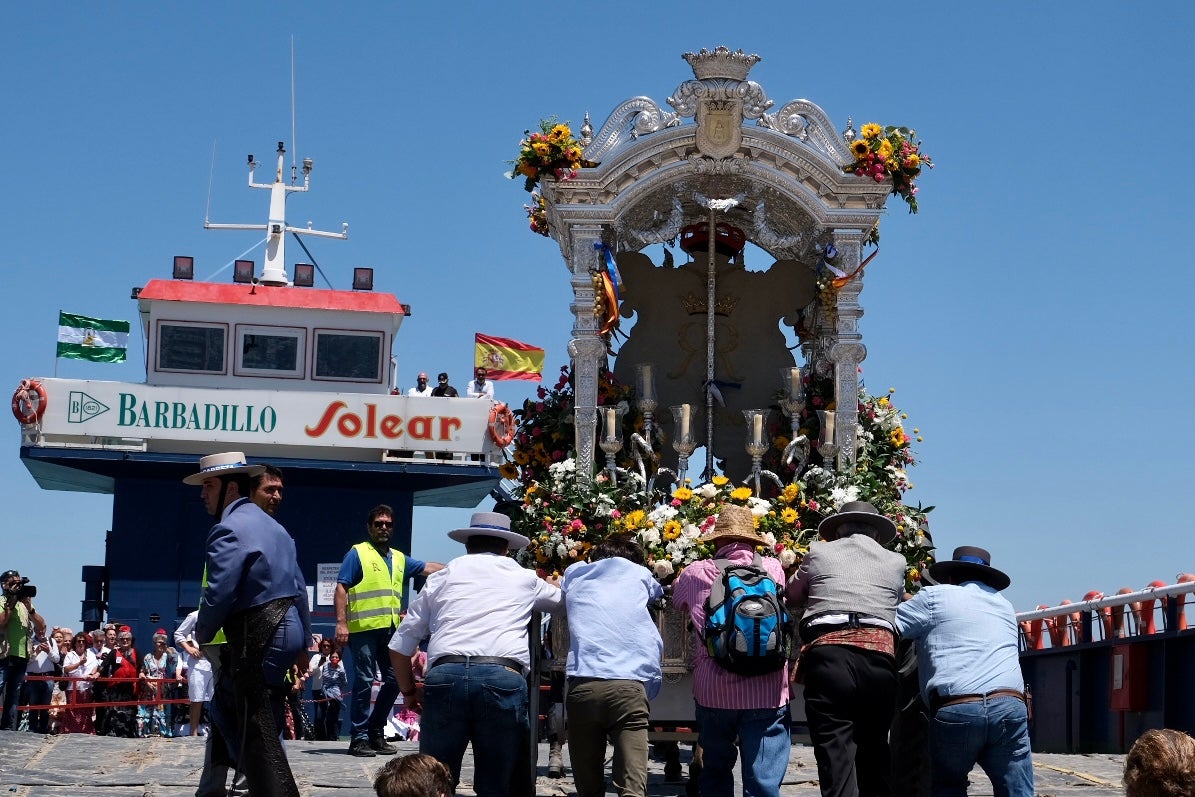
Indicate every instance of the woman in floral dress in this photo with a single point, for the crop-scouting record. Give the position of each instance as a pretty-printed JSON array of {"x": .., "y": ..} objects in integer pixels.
[{"x": 156, "y": 667}]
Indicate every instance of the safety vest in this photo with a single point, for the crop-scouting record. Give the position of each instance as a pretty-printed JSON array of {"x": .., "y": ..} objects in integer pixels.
[
  {"x": 376, "y": 600},
  {"x": 219, "y": 638}
]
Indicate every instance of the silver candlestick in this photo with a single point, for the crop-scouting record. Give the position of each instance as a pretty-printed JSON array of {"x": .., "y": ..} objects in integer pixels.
[{"x": 611, "y": 439}]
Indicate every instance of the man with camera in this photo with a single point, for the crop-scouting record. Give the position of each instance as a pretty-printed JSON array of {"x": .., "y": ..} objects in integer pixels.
[{"x": 17, "y": 619}]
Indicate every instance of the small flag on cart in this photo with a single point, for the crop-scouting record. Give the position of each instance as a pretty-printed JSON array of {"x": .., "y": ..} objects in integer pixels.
[
  {"x": 95, "y": 339},
  {"x": 504, "y": 358}
]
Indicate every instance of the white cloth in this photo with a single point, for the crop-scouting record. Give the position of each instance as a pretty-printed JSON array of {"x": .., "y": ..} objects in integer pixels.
[
  {"x": 44, "y": 660},
  {"x": 478, "y": 605},
  {"x": 475, "y": 390},
  {"x": 201, "y": 684},
  {"x": 90, "y": 665},
  {"x": 186, "y": 633},
  {"x": 314, "y": 676},
  {"x": 425, "y": 393}
]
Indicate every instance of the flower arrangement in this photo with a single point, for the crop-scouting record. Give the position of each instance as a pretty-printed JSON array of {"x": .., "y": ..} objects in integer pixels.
[
  {"x": 890, "y": 152},
  {"x": 564, "y": 517},
  {"x": 552, "y": 150},
  {"x": 537, "y": 214}
]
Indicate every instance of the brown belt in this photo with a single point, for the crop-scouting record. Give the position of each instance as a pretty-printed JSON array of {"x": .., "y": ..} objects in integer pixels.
[{"x": 942, "y": 702}]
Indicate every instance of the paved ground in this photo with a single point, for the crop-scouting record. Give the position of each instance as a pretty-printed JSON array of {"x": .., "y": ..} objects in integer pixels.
[{"x": 82, "y": 766}]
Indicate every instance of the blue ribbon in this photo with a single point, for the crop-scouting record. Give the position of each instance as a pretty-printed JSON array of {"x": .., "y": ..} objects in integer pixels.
[
  {"x": 975, "y": 560},
  {"x": 611, "y": 268}
]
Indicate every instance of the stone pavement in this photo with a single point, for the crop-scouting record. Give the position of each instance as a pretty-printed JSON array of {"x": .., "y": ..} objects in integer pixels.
[{"x": 83, "y": 766}]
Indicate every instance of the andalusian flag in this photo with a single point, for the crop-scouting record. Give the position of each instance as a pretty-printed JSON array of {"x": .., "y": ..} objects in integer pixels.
[
  {"x": 504, "y": 358},
  {"x": 83, "y": 338}
]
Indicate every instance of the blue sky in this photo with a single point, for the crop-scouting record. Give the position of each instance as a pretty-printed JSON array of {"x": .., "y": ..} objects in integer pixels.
[{"x": 1033, "y": 317}]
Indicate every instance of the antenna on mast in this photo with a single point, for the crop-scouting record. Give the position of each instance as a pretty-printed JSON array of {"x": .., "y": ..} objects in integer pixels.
[
  {"x": 207, "y": 212},
  {"x": 294, "y": 146}
]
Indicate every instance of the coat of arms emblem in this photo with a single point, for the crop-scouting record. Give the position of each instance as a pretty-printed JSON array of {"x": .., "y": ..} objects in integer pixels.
[{"x": 719, "y": 127}]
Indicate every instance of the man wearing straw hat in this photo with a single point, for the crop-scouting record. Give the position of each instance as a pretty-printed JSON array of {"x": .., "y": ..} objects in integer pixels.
[
  {"x": 476, "y": 611},
  {"x": 849, "y": 586},
  {"x": 752, "y": 709},
  {"x": 970, "y": 670},
  {"x": 255, "y": 591}
]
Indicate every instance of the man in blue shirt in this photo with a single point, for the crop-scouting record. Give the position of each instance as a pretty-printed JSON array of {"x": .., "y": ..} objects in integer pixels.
[
  {"x": 969, "y": 667},
  {"x": 613, "y": 665},
  {"x": 368, "y": 600}
]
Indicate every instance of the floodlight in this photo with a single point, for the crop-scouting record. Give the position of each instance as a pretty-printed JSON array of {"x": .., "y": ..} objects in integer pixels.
[
  {"x": 363, "y": 279},
  {"x": 184, "y": 267},
  {"x": 304, "y": 275},
  {"x": 242, "y": 271}
]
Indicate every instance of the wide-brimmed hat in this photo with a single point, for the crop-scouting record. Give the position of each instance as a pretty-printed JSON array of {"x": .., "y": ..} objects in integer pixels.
[
  {"x": 734, "y": 523},
  {"x": 490, "y": 524},
  {"x": 226, "y": 464},
  {"x": 969, "y": 564},
  {"x": 858, "y": 512}
]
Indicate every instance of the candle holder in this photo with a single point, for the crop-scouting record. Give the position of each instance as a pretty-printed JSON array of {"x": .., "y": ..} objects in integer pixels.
[
  {"x": 611, "y": 437},
  {"x": 683, "y": 441},
  {"x": 826, "y": 446},
  {"x": 757, "y": 445},
  {"x": 645, "y": 396}
]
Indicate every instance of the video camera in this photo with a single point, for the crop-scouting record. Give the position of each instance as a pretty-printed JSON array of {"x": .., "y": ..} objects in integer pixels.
[{"x": 23, "y": 590}]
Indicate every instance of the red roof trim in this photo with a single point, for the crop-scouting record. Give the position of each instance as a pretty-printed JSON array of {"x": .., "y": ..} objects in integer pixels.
[{"x": 270, "y": 296}]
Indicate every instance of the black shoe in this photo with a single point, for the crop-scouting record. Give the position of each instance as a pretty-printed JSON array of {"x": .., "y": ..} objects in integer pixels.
[
  {"x": 361, "y": 747},
  {"x": 379, "y": 744}
]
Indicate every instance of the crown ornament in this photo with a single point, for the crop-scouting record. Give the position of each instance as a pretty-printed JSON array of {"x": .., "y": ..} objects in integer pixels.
[
  {"x": 697, "y": 305},
  {"x": 721, "y": 63}
]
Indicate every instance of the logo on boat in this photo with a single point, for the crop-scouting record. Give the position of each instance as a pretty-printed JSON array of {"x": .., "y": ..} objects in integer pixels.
[
  {"x": 205, "y": 416},
  {"x": 375, "y": 424},
  {"x": 82, "y": 407}
]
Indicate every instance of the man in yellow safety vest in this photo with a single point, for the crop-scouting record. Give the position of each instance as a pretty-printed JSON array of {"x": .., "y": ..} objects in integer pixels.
[{"x": 369, "y": 591}]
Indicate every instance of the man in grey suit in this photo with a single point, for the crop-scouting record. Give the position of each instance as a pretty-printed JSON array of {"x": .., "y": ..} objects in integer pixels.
[
  {"x": 256, "y": 593},
  {"x": 849, "y": 586}
]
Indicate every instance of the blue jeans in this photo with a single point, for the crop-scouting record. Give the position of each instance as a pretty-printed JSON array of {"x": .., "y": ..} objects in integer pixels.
[
  {"x": 12, "y": 675},
  {"x": 763, "y": 736},
  {"x": 993, "y": 733},
  {"x": 485, "y": 704},
  {"x": 371, "y": 656}
]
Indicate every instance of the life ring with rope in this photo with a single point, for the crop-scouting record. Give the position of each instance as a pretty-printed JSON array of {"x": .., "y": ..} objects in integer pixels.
[
  {"x": 502, "y": 425},
  {"x": 29, "y": 402}
]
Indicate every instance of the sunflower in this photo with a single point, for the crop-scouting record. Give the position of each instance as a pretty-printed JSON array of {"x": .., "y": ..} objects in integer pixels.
[
  {"x": 672, "y": 530},
  {"x": 860, "y": 148},
  {"x": 789, "y": 515},
  {"x": 682, "y": 493},
  {"x": 885, "y": 150},
  {"x": 872, "y": 130},
  {"x": 720, "y": 480},
  {"x": 508, "y": 470},
  {"x": 740, "y": 494}
]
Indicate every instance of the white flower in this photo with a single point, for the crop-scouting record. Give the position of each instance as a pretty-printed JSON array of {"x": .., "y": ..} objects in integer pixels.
[
  {"x": 759, "y": 506},
  {"x": 663, "y": 568},
  {"x": 787, "y": 557},
  {"x": 690, "y": 531},
  {"x": 843, "y": 495},
  {"x": 707, "y": 490},
  {"x": 662, "y": 514},
  {"x": 769, "y": 538},
  {"x": 561, "y": 550},
  {"x": 649, "y": 537}
]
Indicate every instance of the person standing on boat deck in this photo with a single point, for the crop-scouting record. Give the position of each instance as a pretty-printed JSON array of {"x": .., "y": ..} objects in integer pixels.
[
  {"x": 443, "y": 389},
  {"x": 736, "y": 714},
  {"x": 968, "y": 661},
  {"x": 476, "y": 610},
  {"x": 421, "y": 387},
  {"x": 256, "y": 593},
  {"x": 368, "y": 600},
  {"x": 480, "y": 387},
  {"x": 849, "y": 586}
]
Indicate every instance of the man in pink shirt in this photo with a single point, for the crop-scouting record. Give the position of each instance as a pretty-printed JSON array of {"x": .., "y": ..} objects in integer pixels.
[{"x": 752, "y": 709}]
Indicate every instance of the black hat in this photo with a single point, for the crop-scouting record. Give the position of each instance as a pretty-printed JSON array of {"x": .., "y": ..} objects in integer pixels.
[
  {"x": 7, "y": 574},
  {"x": 443, "y": 377},
  {"x": 969, "y": 564},
  {"x": 859, "y": 512}
]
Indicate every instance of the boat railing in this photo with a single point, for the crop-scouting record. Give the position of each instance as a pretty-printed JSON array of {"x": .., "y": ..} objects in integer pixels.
[{"x": 1157, "y": 609}]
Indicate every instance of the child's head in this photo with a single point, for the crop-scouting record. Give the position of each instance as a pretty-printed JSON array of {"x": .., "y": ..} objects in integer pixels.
[
  {"x": 334, "y": 659},
  {"x": 416, "y": 775}
]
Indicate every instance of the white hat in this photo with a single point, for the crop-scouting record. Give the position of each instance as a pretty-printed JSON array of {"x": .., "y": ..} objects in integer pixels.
[
  {"x": 490, "y": 524},
  {"x": 225, "y": 464}
]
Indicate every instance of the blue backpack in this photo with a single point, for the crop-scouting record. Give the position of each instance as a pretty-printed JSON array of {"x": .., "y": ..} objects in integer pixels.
[{"x": 747, "y": 629}]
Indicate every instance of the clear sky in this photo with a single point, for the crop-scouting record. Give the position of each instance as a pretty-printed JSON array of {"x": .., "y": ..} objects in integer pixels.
[{"x": 1033, "y": 317}]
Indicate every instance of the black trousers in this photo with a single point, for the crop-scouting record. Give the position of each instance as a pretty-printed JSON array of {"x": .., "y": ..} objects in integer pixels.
[{"x": 850, "y": 696}]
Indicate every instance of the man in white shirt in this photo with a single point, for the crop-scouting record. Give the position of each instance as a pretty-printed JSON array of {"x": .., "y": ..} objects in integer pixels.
[
  {"x": 421, "y": 387},
  {"x": 480, "y": 387},
  {"x": 200, "y": 684},
  {"x": 476, "y": 611}
]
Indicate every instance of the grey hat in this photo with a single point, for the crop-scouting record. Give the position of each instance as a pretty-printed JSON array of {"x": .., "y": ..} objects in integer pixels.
[
  {"x": 969, "y": 564},
  {"x": 490, "y": 524},
  {"x": 226, "y": 464},
  {"x": 858, "y": 512}
]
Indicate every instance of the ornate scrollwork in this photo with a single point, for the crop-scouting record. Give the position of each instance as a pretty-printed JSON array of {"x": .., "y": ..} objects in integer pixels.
[
  {"x": 807, "y": 122},
  {"x": 636, "y": 117},
  {"x": 688, "y": 95},
  {"x": 663, "y": 228}
]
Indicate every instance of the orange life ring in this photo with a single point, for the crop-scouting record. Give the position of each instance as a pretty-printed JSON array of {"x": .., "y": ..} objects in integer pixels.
[
  {"x": 29, "y": 402},
  {"x": 502, "y": 425}
]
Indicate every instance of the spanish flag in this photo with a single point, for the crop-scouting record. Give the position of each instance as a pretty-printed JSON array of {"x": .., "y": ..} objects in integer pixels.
[{"x": 508, "y": 359}]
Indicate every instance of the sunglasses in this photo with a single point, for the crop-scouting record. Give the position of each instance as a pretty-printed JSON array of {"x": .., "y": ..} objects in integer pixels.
[{"x": 383, "y": 524}]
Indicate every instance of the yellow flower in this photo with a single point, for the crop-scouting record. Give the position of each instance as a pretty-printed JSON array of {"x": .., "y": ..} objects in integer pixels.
[
  {"x": 914, "y": 574},
  {"x": 671, "y": 530},
  {"x": 541, "y": 148},
  {"x": 860, "y": 148},
  {"x": 871, "y": 130},
  {"x": 682, "y": 493},
  {"x": 560, "y": 132},
  {"x": 791, "y": 491},
  {"x": 885, "y": 150},
  {"x": 789, "y": 515},
  {"x": 720, "y": 480},
  {"x": 912, "y": 161},
  {"x": 634, "y": 518},
  {"x": 781, "y": 442},
  {"x": 740, "y": 494},
  {"x": 521, "y": 457},
  {"x": 507, "y": 470}
]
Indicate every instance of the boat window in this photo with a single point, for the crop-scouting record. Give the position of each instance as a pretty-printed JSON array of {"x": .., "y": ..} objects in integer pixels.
[
  {"x": 348, "y": 356},
  {"x": 191, "y": 347},
  {"x": 270, "y": 351}
]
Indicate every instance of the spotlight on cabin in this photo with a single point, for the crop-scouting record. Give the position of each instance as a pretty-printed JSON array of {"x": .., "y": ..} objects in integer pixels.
[
  {"x": 184, "y": 267},
  {"x": 363, "y": 279},
  {"x": 242, "y": 271},
  {"x": 406, "y": 310},
  {"x": 136, "y": 292},
  {"x": 304, "y": 275}
]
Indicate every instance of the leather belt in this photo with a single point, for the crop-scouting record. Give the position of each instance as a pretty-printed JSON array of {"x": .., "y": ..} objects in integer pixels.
[
  {"x": 940, "y": 702},
  {"x": 501, "y": 661}
]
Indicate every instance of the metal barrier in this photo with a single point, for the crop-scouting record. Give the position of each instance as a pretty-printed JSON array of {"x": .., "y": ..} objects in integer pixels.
[{"x": 1126, "y": 615}]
